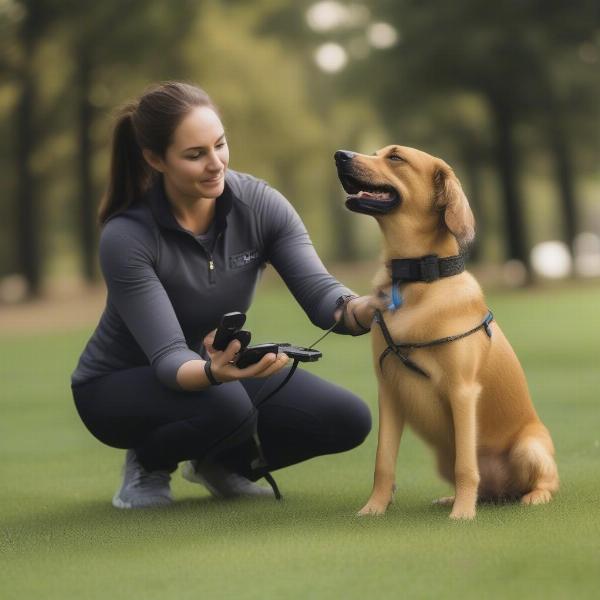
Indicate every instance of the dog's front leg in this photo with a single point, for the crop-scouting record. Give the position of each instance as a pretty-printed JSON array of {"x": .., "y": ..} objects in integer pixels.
[
  {"x": 391, "y": 424},
  {"x": 463, "y": 402}
]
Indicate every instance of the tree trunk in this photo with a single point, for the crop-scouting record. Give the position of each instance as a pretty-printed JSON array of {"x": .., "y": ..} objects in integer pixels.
[
  {"x": 87, "y": 229},
  {"x": 28, "y": 209},
  {"x": 565, "y": 179},
  {"x": 507, "y": 161},
  {"x": 344, "y": 246},
  {"x": 474, "y": 187}
]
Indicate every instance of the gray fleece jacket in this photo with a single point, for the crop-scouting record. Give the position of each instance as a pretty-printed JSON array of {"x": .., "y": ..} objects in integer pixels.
[{"x": 168, "y": 288}]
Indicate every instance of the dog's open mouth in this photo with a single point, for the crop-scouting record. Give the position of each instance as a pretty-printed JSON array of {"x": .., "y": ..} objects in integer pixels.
[{"x": 367, "y": 198}]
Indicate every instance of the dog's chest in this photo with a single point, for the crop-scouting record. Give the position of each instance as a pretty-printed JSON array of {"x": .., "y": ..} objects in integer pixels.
[{"x": 416, "y": 395}]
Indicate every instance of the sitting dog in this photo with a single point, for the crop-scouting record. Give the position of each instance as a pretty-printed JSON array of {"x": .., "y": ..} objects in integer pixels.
[{"x": 443, "y": 365}]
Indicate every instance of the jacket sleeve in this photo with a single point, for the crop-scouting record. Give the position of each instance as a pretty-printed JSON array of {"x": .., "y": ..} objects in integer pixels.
[
  {"x": 290, "y": 250},
  {"x": 127, "y": 262}
]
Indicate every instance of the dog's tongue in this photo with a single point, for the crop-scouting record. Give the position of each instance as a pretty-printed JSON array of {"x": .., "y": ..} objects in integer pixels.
[{"x": 374, "y": 195}]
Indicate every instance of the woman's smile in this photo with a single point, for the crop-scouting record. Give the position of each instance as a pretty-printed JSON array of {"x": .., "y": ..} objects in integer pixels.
[{"x": 213, "y": 180}]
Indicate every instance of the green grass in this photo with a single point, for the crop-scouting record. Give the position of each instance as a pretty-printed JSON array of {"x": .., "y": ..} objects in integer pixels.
[{"x": 60, "y": 537}]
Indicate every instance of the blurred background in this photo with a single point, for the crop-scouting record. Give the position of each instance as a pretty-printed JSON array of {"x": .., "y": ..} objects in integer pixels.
[{"x": 506, "y": 92}]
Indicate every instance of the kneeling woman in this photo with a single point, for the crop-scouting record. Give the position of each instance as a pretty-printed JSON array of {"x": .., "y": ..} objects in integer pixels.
[{"x": 183, "y": 241}]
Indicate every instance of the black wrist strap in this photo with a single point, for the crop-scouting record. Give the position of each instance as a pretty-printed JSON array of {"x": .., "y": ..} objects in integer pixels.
[
  {"x": 209, "y": 373},
  {"x": 342, "y": 302}
]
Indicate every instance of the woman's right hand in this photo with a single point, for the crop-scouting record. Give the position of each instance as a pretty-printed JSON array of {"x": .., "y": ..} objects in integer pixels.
[{"x": 224, "y": 370}]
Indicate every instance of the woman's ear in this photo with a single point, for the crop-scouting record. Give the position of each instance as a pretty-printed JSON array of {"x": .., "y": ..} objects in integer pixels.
[
  {"x": 153, "y": 160},
  {"x": 450, "y": 197}
]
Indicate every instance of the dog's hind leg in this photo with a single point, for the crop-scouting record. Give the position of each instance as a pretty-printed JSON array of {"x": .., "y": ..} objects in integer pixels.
[
  {"x": 463, "y": 402},
  {"x": 532, "y": 461},
  {"x": 391, "y": 424}
]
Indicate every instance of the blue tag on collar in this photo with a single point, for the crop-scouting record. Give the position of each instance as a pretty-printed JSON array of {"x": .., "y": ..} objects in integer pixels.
[{"x": 397, "y": 299}]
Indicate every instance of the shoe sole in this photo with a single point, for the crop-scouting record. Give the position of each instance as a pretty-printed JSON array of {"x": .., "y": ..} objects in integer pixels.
[{"x": 118, "y": 503}]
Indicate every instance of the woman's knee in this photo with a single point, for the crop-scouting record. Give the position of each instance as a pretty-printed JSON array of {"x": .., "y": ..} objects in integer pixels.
[
  {"x": 345, "y": 419},
  {"x": 353, "y": 422}
]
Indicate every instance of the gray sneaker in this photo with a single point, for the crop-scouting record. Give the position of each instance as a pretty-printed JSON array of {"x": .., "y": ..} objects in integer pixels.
[
  {"x": 222, "y": 483},
  {"x": 141, "y": 488}
]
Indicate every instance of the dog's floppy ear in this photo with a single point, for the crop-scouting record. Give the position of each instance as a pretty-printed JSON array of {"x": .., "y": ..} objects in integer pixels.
[{"x": 450, "y": 198}]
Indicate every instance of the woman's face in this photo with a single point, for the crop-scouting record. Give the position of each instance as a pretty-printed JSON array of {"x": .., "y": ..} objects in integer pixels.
[{"x": 194, "y": 164}]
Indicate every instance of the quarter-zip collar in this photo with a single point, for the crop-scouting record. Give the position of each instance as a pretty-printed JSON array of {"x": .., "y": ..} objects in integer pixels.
[{"x": 161, "y": 207}]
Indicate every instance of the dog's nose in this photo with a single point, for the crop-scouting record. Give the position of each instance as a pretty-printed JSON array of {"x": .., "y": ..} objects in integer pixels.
[{"x": 343, "y": 156}]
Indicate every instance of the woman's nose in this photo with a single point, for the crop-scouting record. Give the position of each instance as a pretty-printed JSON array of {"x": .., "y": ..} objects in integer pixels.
[{"x": 215, "y": 163}]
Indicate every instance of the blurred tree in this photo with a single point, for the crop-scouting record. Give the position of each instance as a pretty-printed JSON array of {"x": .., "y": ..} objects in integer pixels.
[
  {"x": 124, "y": 33},
  {"x": 34, "y": 18}
]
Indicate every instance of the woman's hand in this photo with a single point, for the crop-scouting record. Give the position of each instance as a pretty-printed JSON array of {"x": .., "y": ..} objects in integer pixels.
[
  {"x": 359, "y": 314},
  {"x": 224, "y": 370}
]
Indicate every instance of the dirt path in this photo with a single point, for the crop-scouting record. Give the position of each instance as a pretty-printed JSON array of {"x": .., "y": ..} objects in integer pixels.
[{"x": 65, "y": 306}]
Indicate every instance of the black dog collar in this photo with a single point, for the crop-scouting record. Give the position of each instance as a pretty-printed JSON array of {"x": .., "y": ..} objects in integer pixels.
[{"x": 426, "y": 268}]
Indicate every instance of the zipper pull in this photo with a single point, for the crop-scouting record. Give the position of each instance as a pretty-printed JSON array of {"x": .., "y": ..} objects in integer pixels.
[{"x": 211, "y": 270}]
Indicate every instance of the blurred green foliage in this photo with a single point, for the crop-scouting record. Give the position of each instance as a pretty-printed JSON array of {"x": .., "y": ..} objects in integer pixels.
[{"x": 507, "y": 93}]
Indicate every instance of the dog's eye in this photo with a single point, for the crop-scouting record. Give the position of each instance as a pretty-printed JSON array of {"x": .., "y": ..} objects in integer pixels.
[{"x": 396, "y": 157}]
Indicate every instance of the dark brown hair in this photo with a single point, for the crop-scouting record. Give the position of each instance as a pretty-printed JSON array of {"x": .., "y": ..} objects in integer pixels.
[{"x": 148, "y": 123}]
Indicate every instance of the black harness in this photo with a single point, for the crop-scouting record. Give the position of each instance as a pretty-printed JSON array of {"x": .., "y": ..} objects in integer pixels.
[{"x": 426, "y": 269}]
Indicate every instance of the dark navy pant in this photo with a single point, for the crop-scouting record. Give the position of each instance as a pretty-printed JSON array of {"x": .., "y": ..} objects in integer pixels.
[{"x": 308, "y": 417}]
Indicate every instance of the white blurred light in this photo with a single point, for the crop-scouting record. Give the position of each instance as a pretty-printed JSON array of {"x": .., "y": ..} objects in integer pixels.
[
  {"x": 331, "y": 57},
  {"x": 587, "y": 254},
  {"x": 382, "y": 35},
  {"x": 551, "y": 260},
  {"x": 325, "y": 16}
]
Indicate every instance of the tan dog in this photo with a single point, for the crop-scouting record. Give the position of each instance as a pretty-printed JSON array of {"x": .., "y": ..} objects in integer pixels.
[{"x": 470, "y": 402}]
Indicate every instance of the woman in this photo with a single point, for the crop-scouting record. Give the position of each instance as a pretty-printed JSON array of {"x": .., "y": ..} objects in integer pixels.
[{"x": 183, "y": 241}]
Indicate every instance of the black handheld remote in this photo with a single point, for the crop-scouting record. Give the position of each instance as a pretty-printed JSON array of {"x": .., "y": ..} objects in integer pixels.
[
  {"x": 230, "y": 329},
  {"x": 300, "y": 353},
  {"x": 253, "y": 354}
]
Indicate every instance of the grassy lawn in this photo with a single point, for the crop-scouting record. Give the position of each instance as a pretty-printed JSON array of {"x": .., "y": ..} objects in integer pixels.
[{"x": 61, "y": 538}]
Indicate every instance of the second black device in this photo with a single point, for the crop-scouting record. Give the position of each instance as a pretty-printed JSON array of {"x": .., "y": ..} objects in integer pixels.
[{"x": 230, "y": 329}]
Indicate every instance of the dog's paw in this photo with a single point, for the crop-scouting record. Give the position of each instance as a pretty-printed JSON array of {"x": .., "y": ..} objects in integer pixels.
[
  {"x": 462, "y": 514},
  {"x": 445, "y": 501},
  {"x": 373, "y": 509},
  {"x": 537, "y": 497}
]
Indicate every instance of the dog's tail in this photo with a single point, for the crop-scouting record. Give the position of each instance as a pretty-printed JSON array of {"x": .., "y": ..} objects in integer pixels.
[{"x": 532, "y": 460}]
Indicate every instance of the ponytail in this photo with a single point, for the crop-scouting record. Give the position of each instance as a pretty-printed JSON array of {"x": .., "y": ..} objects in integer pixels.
[{"x": 130, "y": 174}]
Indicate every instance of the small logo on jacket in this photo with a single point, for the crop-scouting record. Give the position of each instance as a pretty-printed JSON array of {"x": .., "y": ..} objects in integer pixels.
[{"x": 241, "y": 259}]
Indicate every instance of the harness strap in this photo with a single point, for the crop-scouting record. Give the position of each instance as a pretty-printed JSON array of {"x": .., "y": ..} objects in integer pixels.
[{"x": 395, "y": 348}]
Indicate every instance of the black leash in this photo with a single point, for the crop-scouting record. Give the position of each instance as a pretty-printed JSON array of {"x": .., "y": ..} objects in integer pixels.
[{"x": 259, "y": 464}]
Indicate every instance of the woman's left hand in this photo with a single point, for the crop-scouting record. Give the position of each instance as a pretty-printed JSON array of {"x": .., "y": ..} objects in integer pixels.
[{"x": 359, "y": 314}]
